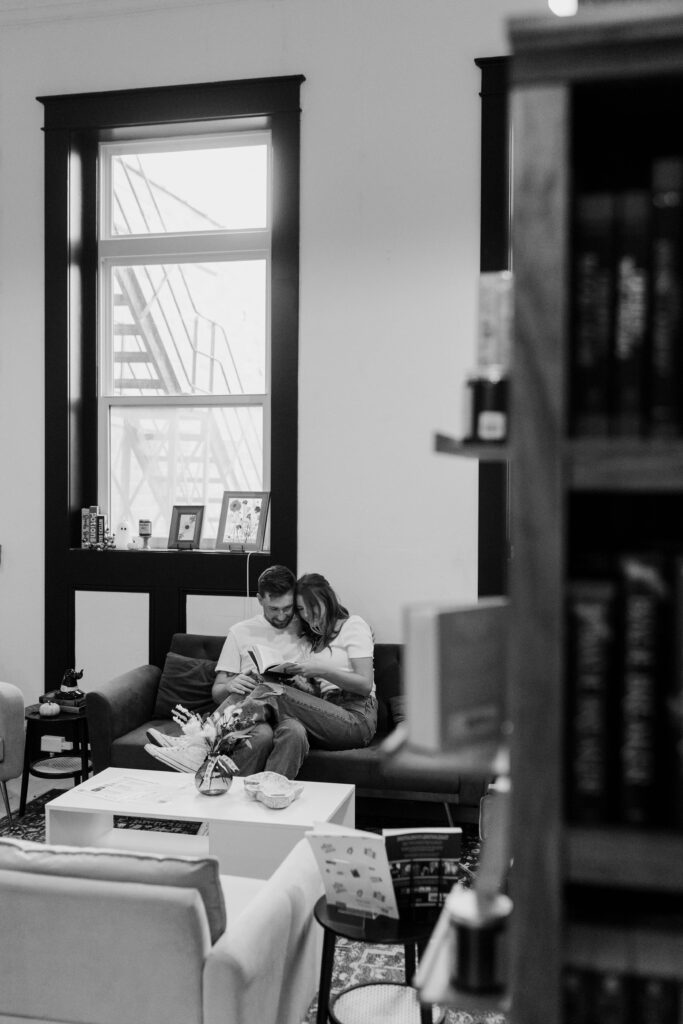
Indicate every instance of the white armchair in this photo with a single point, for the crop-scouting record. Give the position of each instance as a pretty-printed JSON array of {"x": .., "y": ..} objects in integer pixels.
[
  {"x": 109, "y": 936},
  {"x": 12, "y": 733}
]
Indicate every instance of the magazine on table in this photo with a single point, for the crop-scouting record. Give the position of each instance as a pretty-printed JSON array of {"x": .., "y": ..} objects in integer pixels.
[
  {"x": 355, "y": 870},
  {"x": 424, "y": 865},
  {"x": 400, "y": 870}
]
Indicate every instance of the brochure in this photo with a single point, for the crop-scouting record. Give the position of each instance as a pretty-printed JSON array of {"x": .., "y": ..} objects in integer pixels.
[
  {"x": 355, "y": 870},
  {"x": 424, "y": 864}
]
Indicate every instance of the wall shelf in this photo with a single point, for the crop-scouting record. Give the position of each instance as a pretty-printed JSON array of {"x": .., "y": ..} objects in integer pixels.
[
  {"x": 471, "y": 450},
  {"x": 625, "y": 464}
]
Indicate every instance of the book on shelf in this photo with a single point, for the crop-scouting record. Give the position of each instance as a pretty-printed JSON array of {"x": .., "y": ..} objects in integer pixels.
[
  {"x": 624, "y": 692},
  {"x": 643, "y": 664},
  {"x": 618, "y": 997},
  {"x": 591, "y": 611},
  {"x": 664, "y": 398},
  {"x": 402, "y": 870},
  {"x": 631, "y": 321},
  {"x": 593, "y": 313},
  {"x": 626, "y": 363}
]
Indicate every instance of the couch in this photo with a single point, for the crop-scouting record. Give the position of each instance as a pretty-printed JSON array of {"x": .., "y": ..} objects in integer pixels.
[
  {"x": 121, "y": 711},
  {"x": 111, "y": 937}
]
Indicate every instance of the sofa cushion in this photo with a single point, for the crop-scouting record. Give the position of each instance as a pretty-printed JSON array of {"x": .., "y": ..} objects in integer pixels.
[
  {"x": 200, "y": 873},
  {"x": 185, "y": 681}
]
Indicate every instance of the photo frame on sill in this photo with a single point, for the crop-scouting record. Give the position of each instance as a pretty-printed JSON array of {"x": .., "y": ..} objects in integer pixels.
[
  {"x": 242, "y": 524},
  {"x": 186, "y": 527}
]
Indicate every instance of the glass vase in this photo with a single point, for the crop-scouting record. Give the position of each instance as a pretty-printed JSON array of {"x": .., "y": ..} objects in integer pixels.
[{"x": 213, "y": 777}]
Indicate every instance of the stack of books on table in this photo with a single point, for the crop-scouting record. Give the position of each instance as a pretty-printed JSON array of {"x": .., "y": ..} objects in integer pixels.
[{"x": 73, "y": 701}]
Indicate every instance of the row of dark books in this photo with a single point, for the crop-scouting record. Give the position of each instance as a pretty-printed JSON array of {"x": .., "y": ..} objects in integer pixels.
[
  {"x": 626, "y": 373},
  {"x": 609, "y": 997},
  {"x": 624, "y": 742}
]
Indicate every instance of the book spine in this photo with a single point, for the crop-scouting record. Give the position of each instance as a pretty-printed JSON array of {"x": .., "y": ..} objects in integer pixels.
[
  {"x": 613, "y": 997},
  {"x": 85, "y": 527},
  {"x": 673, "y": 706},
  {"x": 592, "y": 314},
  {"x": 577, "y": 995},
  {"x": 632, "y": 260},
  {"x": 644, "y": 593},
  {"x": 657, "y": 1000},
  {"x": 591, "y": 645},
  {"x": 667, "y": 297}
]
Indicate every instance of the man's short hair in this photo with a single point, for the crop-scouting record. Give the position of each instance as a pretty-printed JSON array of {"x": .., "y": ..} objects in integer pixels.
[{"x": 276, "y": 581}]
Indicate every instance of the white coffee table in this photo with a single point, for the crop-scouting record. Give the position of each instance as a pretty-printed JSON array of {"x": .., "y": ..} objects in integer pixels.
[{"x": 247, "y": 837}]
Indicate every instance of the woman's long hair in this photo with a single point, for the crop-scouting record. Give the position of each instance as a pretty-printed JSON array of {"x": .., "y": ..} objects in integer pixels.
[{"x": 316, "y": 592}]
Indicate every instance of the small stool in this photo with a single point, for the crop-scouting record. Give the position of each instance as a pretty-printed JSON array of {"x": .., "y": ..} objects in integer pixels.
[
  {"x": 372, "y": 1001},
  {"x": 74, "y": 766}
]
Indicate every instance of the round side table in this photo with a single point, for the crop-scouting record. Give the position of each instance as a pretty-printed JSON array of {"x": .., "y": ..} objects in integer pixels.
[
  {"x": 377, "y": 1001},
  {"x": 76, "y": 766}
]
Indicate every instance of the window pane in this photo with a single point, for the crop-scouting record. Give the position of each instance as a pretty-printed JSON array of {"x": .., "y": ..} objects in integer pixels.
[
  {"x": 203, "y": 189},
  {"x": 166, "y": 456},
  {"x": 188, "y": 328}
]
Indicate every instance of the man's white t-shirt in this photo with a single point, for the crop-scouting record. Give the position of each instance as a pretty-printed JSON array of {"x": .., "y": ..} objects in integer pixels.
[{"x": 234, "y": 657}]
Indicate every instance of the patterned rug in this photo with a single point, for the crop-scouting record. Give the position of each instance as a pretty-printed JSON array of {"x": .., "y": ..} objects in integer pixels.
[{"x": 354, "y": 962}]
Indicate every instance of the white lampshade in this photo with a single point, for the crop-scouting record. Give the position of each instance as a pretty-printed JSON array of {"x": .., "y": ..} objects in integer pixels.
[{"x": 563, "y": 8}]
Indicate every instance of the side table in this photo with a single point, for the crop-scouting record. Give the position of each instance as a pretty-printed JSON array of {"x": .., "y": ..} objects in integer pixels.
[
  {"x": 375, "y": 1001},
  {"x": 73, "y": 726}
]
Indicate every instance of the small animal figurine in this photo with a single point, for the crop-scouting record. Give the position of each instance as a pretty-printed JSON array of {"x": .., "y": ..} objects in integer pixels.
[{"x": 70, "y": 680}]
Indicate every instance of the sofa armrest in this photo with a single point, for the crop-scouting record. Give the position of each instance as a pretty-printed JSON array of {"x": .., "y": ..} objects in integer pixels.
[
  {"x": 266, "y": 965},
  {"x": 118, "y": 706}
]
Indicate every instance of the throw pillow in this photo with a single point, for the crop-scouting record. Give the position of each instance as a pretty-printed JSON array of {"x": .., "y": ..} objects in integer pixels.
[
  {"x": 201, "y": 873},
  {"x": 185, "y": 681}
]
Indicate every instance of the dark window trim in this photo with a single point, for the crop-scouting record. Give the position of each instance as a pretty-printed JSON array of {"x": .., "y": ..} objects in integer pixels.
[
  {"x": 494, "y": 541},
  {"x": 73, "y": 125}
]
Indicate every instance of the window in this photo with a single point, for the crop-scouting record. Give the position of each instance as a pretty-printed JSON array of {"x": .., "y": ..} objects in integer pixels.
[
  {"x": 184, "y": 346},
  {"x": 171, "y": 334}
]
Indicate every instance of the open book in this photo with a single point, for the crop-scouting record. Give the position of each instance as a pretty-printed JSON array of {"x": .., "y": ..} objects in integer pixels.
[{"x": 266, "y": 659}]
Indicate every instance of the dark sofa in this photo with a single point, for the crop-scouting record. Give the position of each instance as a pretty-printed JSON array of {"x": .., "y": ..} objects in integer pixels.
[{"x": 122, "y": 710}]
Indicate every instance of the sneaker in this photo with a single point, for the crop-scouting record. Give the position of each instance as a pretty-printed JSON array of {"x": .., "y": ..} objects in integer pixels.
[
  {"x": 160, "y": 739},
  {"x": 187, "y": 759}
]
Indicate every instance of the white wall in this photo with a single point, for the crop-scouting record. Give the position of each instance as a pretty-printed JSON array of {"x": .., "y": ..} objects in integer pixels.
[{"x": 389, "y": 259}]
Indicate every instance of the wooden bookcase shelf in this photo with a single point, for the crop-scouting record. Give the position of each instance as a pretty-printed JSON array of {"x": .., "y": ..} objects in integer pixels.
[
  {"x": 594, "y": 101},
  {"x": 624, "y": 858},
  {"x": 624, "y": 464}
]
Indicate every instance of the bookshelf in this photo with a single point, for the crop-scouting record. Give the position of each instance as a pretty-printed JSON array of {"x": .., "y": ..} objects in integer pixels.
[{"x": 594, "y": 100}]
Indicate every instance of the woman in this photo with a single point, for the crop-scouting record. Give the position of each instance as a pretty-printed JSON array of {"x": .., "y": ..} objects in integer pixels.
[{"x": 340, "y": 666}]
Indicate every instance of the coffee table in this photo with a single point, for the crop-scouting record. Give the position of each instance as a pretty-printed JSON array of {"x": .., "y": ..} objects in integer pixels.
[{"x": 246, "y": 837}]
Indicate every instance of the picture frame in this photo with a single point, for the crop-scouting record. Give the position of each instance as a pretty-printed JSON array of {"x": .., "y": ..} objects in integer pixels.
[
  {"x": 242, "y": 525},
  {"x": 186, "y": 527}
]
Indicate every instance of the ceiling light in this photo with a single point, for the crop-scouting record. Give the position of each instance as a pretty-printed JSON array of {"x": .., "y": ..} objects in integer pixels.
[{"x": 563, "y": 8}]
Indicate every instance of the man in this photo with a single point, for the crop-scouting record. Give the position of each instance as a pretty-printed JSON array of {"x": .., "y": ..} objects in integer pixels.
[{"x": 281, "y": 746}]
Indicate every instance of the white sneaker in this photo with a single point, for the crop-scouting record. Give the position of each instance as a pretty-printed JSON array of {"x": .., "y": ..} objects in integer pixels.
[
  {"x": 161, "y": 739},
  {"x": 181, "y": 759}
]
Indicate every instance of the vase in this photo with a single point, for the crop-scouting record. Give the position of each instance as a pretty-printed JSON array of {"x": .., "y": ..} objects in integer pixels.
[{"x": 213, "y": 777}]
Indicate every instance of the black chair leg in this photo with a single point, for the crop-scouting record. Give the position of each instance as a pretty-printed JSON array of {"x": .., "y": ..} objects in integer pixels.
[
  {"x": 410, "y": 962},
  {"x": 326, "y": 965}
]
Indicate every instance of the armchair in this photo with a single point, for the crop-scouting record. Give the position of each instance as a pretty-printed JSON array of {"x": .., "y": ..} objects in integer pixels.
[
  {"x": 109, "y": 936},
  {"x": 12, "y": 737}
]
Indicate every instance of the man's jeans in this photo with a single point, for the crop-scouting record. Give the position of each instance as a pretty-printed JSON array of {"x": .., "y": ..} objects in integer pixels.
[{"x": 304, "y": 719}]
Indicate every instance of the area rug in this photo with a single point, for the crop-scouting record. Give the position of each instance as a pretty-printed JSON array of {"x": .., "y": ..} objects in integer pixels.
[{"x": 354, "y": 962}]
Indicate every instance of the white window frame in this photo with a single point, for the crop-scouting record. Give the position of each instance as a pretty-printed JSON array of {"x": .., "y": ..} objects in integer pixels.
[{"x": 175, "y": 247}]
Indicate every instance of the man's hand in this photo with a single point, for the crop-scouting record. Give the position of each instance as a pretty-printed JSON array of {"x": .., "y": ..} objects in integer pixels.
[{"x": 242, "y": 684}]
